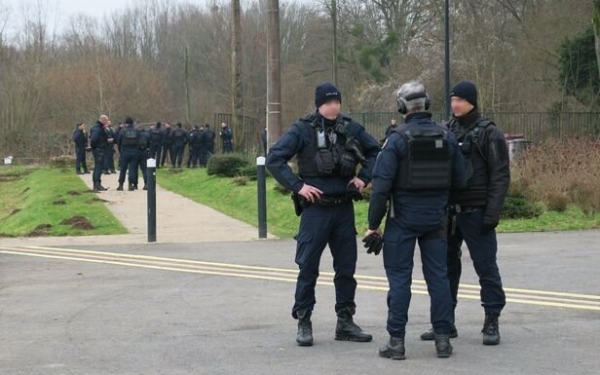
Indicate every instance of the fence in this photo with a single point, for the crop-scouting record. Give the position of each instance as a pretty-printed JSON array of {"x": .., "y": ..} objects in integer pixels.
[
  {"x": 247, "y": 132},
  {"x": 535, "y": 126}
]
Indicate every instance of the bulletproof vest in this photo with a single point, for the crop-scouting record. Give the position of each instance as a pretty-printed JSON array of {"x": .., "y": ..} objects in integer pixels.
[
  {"x": 428, "y": 163},
  {"x": 156, "y": 135},
  {"x": 326, "y": 153},
  {"x": 197, "y": 139},
  {"x": 471, "y": 144},
  {"x": 130, "y": 137},
  {"x": 143, "y": 140},
  {"x": 179, "y": 134}
]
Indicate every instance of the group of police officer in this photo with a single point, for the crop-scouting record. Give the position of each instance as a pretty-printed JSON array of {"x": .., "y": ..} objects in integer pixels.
[
  {"x": 136, "y": 145},
  {"x": 436, "y": 185}
]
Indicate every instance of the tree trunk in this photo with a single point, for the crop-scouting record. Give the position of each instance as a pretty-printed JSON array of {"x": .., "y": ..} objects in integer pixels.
[
  {"x": 596, "y": 25},
  {"x": 273, "y": 73},
  {"x": 236, "y": 71}
]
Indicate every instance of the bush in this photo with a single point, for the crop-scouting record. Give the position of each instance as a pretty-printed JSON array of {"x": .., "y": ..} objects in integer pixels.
[
  {"x": 227, "y": 165},
  {"x": 65, "y": 161},
  {"x": 281, "y": 189},
  {"x": 249, "y": 172},
  {"x": 241, "y": 180},
  {"x": 519, "y": 207},
  {"x": 562, "y": 172}
]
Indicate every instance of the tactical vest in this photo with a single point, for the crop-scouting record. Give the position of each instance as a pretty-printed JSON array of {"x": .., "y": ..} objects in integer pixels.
[
  {"x": 471, "y": 145},
  {"x": 179, "y": 134},
  {"x": 130, "y": 137},
  {"x": 428, "y": 163},
  {"x": 326, "y": 153},
  {"x": 143, "y": 140},
  {"x": 197, "y": 139},
  {"x": 156, "y": 135}
]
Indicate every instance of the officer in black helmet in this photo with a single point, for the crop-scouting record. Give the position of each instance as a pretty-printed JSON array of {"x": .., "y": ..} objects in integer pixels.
[
  {"x": 329, "y": 148},
  {"x": 418, "y": 164},
  {"x": 475, "y": 210}
]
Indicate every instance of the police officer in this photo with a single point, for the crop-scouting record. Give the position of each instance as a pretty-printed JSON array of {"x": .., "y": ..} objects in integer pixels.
[
  {"x": 179, "y": 141},
  {"x": 99, "y": 143},
  {"x": 419, "y": 162},
  {"x": 109, "y": 153},
  {"x": 167, "y": 145},
  {"x": 226, "y": 138},
  {"x": 129, "y": 141},
  {"x": 329, "y": 146},
  {"x": 475, "y": 210},
  {"x": 80, "y": 139},
  {"x": 143, "y": 147},
  {"x": 156, "y": 142},
  {"x": 208, "y": 145},
  {"x": 195, "y": 142},
  {"x": 390, "y": 128}
]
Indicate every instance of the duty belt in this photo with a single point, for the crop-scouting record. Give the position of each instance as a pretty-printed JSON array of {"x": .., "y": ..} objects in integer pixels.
[
  {"x": 329, "y": 201},
  {"x": 457, "y": 208}
]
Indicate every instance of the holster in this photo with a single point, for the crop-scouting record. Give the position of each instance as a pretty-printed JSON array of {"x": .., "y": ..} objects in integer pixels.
[{"x": 297, "y": 199}]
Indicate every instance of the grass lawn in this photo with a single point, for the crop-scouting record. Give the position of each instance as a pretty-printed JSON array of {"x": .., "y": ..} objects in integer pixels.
[
  {"x": 34, "y": 202},
  {"x": 239, "y": 202}
]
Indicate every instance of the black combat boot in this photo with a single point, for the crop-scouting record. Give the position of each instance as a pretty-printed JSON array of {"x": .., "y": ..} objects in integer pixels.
[
  {"x": 120, "y": 188},
  {"x": 131, "y": 187},
  {"x": 430, "y": 335},
  {"x": 304, "y": 337},
  {"x": 443, "y": 346},
  {"x": 98, "y": 187},
  {"x": 347, "y": 330},
  {"x": 394, "y": 349},
  {"x": 145, "y": 187},
  {"x": 491, "y": 331}
]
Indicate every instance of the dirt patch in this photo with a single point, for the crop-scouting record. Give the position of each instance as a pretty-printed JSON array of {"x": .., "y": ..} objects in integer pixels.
[
  {"x": 73, "y": 192},
  {"x": 78, "y": 222},
  {"x": 60, "y": 202},
  {"x": 96, "y": 199},
  {"x": 41, "y": 230},
  {"x": 88, "y": 191}
]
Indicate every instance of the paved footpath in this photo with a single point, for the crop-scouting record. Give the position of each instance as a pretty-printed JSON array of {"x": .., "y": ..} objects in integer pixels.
[{"x": 179, "y": 220}]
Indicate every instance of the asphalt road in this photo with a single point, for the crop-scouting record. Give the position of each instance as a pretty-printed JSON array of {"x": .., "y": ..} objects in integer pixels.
[{"x": 224, "y": 308}]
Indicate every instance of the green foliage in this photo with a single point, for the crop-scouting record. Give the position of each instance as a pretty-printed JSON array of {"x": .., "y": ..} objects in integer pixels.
[
  {"x": 228, "y": 165},
  {"x": 44, "y": 202},
  {"x": 519, "y": 207},
  {"x": 578, "y": 68}
]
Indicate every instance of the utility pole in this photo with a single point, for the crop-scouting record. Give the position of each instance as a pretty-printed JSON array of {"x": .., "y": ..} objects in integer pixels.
[
  {"x": 273, "y": 73},
  {"x": 447, "y": 60},
  {"x": 334, "y": 62}
]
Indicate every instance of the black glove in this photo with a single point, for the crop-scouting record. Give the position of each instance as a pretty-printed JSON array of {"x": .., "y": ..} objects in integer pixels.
[
  {"x": 373, "y": 243},
  {"x": 490, "y": 222},
  {"x": 353, "y": 193}
]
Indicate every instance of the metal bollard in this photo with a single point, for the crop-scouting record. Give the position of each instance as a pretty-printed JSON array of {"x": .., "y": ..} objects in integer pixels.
[
  {"x": 151, "y": 176},
  {"x": 261, "y": 181}
]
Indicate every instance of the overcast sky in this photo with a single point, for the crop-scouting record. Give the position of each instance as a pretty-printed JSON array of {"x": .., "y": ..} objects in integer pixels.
[{"x": 59, "y": 11}]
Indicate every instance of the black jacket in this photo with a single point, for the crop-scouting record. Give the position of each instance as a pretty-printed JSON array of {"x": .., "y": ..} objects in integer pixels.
[{"x": 489, "y": 166}]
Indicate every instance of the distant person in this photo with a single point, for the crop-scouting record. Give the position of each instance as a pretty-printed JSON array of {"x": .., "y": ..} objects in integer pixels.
[
  {"x": 99, "y": 143},
  {"x": 81, "y": 141},
  {"x": 167, "y": 145},
  {"x": 226, "y": 138},
  {"x": 129, "y": 142},
  {"x": 179, "y": 137}
]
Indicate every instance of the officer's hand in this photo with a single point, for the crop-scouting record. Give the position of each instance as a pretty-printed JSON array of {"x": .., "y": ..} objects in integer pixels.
[
  {"x": 310, "y": 193},
  {"x": 360, "y": 184},
  {"x": 373, "y": 242},
  {"x": 374, "y": 231},
  {"x": 489, "y": 224}
]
